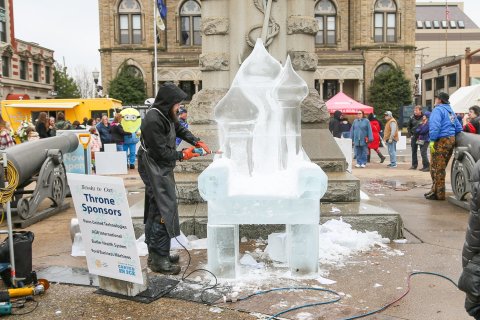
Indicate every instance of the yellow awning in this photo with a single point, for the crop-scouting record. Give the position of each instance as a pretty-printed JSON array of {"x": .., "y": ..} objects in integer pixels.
[{"x": 53, "y": 105}]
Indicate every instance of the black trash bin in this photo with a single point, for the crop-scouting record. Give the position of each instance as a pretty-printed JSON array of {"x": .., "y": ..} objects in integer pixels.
[{"x": 22, "y": 247}]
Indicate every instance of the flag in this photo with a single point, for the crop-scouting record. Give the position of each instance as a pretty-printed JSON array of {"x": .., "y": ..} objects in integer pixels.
[
  {"x": 162, "y": 8},
  {"x": 447, "y": 12}
]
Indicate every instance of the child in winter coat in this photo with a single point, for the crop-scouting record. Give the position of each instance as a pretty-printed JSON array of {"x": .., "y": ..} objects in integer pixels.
[{"x": 95, "y": 144}]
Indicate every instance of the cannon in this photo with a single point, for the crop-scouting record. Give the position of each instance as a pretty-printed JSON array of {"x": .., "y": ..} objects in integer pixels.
[
  {"x": 466, "y": 154},
  {"x": 39, "y": 161}
]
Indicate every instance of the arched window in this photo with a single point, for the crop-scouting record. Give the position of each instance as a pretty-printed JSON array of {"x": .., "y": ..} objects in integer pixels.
[
  {"x": 383, "y": 68},
  {"x": 385, "y": 21},
  {"x": 326, "y": 15},
  {"x": 129, "y": 14},
  {"x": 134, "y": 71},
  {"x": 190, "y": 24}
]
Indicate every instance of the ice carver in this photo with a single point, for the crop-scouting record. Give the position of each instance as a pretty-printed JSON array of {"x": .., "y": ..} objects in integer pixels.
[
  {"x": 156, "y": 159},
  {"x": 131, "y": 122}
]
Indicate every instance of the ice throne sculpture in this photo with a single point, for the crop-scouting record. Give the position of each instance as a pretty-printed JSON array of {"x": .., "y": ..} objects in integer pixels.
[{"x": 263, "y": 175}]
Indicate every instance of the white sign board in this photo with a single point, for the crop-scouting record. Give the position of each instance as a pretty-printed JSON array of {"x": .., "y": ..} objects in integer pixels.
[
  {"x": 111, "y": 162},
  {"x": 402, "y": 142},
  {"x": 106, "y": 226}
]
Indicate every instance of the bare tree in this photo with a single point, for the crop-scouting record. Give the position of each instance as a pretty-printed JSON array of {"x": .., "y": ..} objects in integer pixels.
[{"x": 84, "y": 80}]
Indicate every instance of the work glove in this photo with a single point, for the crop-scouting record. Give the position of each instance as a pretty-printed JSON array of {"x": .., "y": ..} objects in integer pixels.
[
  {"x": 432, "y": 147},
  {"x": 203, "y": 145},
  {"x": 390, "y": 140},
  {"x": 188, "y": 153}
]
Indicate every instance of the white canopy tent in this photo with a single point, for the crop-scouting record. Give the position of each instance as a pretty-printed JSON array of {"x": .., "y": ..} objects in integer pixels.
[{"x": 464, "y": 98}]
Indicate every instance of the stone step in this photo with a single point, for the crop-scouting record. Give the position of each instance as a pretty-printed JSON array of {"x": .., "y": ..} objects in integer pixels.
[
  {"x": 366, "y": 214},
  {"x": 319, "y": 145},
  {"x": 342, "y": 187},
  {"x": 197, "y": 165}
]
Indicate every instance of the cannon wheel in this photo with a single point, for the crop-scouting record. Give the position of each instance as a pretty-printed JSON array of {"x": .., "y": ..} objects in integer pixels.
[
  {"x": 23, "y": 208},
  {"x": 461, "y": 173},
  {"x": 58, "y": 191}
]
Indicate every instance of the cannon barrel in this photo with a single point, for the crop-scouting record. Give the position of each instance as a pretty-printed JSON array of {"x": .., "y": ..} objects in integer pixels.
[
  {"x": 471, "y": 141},
  {"x": 28, "y": 157}
]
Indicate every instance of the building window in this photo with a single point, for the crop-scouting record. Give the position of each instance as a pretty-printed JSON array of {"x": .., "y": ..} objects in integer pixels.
[
  {"x": 130, "y": 22},
  {"x": 453, "y": 24},
  {"x": 461, "y": 24},
  {"x": 326, "y": 15},
  {"x": 436, "y": 24},
  {"x": 385, "y": 21},
  {"x": 428, "y": 85},
  {"x": 428, "y": 25},
  {"x": 444, "y": 24},
  {"x": 439, "y": 83},
  {"x": 36, "y": 72},
  {"x": 452, "y": 80},
  {"x": 190, "y": 24},
  {"x": 23, "y": 69},
  {"x": 47, "y": 74},
  {"x": 428, "y": 104},
  {"x": 419, "y": 24},
  {"x": 188, "y": 87},
  {"x": 3, "y": 32},
  {"x": 382, "y": 68},
  {"x": 5, "y": 66}
]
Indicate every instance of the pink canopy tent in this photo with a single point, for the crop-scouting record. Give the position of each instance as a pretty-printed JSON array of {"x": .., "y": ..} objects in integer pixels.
[{"x": 346, "y": 105}]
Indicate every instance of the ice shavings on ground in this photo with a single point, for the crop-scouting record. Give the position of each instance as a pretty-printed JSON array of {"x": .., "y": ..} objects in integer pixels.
[
  {"x": 304, "y": 316},
  {"x": 248, "y": 260},
  {"x": 338, "y": 241},
  {"x": 326, "y": 281}
]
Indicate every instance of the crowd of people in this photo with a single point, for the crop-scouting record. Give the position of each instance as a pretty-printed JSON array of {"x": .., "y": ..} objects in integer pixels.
[{"x": 430, "y": 132}]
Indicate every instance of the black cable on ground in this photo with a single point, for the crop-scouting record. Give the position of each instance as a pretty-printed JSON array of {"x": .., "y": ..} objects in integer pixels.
[
  {"x": 17, "y": 304},
  {"x": 196, "y": 270},
  {"x": 339, "y": 297}
]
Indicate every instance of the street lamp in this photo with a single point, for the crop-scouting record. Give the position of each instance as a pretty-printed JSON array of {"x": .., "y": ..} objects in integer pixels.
[{"x": 96, "y": 74}]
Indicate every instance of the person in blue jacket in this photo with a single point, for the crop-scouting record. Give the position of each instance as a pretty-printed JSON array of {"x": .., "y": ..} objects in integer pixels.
[
  {"x": 361, "y": 134},
  {"x": 443, "y": 126},
  {"x": 182, "y": 119}
]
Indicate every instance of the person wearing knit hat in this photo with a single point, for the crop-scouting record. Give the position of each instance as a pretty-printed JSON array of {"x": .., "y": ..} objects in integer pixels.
[{"x": 443, "y": 126}]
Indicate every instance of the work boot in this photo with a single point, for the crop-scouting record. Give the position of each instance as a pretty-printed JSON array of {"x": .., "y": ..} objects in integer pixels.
[
  {"x": 161, "y": 264},
  {"x": 174, "y": 258},
  {"x": 382, "y": 157}
]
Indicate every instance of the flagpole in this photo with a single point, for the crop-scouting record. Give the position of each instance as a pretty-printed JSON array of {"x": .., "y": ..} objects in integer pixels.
[
  {"x": 155, "y": 75},
  {"x": 447, "y": 17}
]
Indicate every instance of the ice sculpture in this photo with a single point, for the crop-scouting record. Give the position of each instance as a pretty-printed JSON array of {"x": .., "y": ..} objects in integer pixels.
[{"x": 263, "y": 176}]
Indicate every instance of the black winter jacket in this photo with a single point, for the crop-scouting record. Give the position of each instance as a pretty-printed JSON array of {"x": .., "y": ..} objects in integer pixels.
[
  {"x": 334, "y": 125},
  {"x": 470, "y": 279},
  {"x": 413, "y": 124},
  {"x": 118, "y": 134},
  {"x": 155, "y": 127}
]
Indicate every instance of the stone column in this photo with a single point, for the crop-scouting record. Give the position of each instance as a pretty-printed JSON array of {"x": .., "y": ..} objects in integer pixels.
[
  {"x": 340, "y": 81},
  {"x": 215, "y": 60},
  {"x": 196, "y": 83},
  {"x": 321, "y": 81},
  {"x": 360, "y": 90},
  {"x": 300, "y": 45}
]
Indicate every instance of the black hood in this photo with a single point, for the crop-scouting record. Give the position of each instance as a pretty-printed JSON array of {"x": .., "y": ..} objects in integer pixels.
[
  {"x": 168, "y": 95},
  {"x": 337, "y": 114}
]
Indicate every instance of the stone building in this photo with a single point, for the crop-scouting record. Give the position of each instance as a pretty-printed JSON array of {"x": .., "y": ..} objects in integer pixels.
[
  {"x": 436, "y": 37},
  {"x": 353, "y": 40},
  {"x": 27, "y": 68},
  {"x": 444, "y": 35},
  {"x": 447, "y": 74}
]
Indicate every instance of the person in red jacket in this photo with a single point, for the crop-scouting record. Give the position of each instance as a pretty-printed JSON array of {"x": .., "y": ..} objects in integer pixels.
[{"x": 375, "y": 144}]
